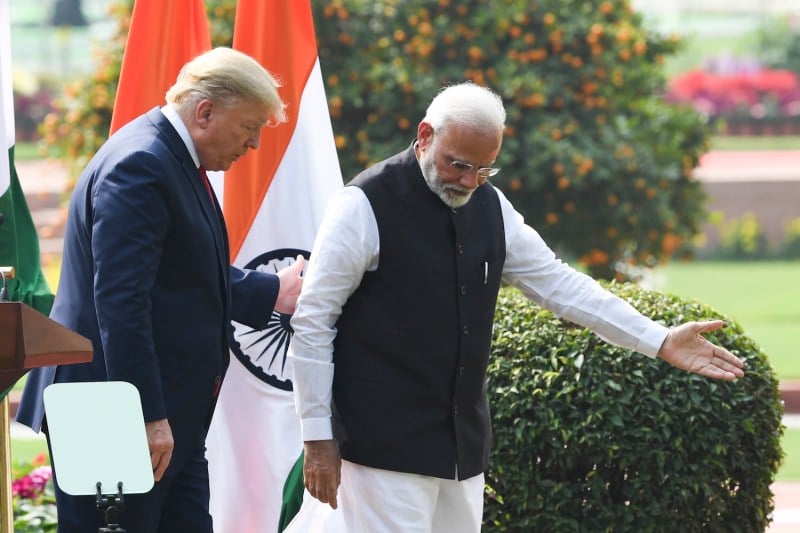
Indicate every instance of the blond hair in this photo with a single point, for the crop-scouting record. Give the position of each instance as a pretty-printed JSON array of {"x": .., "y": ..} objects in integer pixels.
[{"x": 226, "y": 76}]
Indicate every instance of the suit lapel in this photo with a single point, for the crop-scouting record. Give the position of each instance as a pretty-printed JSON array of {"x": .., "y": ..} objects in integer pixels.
[
  {"x": 211, "y": 210},
  {"x": 213, "y": 216}
]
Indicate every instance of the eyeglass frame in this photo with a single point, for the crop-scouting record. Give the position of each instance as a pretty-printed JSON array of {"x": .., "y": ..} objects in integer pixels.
[{"x": 482, "y": 172}]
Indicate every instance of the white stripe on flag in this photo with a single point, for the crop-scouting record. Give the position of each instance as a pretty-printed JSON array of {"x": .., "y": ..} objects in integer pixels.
[
  {"x": 6, "y": 97},
  {"x": 306, "y": 178}
]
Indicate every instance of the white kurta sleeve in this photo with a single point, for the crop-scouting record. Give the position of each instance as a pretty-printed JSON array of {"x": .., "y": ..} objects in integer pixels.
[
  {"x": 346, "y": 246},
  {"x": 533, "y": 268}
]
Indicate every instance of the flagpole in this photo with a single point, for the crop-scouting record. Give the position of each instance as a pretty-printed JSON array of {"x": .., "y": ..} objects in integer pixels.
[
  {"x": 7, "y": 514},
  {"x": 6, "y": 508}
]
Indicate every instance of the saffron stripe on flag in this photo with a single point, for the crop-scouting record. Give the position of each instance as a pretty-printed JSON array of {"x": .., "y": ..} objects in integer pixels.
[
  {"x": 163, "y": 36},
  {"x": 280, "y": 35}
]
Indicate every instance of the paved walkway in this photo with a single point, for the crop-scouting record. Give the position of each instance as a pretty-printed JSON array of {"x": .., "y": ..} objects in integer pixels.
[
  {"x": 44, "y": 183},
  {"x": 767, "y": 165}
]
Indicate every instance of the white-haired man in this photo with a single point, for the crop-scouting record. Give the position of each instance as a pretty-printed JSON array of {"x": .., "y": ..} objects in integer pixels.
[{"x": 394, "y": 324}]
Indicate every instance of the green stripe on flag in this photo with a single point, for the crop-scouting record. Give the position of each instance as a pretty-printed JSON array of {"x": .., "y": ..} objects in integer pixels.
[
  {"x": 19, "y": 248},
  {"x": 292, "y": 494}
]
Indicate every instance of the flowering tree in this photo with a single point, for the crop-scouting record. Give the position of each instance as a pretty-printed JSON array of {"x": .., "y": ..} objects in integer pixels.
[{"x": 592, "y": 156}]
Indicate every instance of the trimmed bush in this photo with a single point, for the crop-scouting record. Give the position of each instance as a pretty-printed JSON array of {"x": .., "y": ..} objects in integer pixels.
[{"x": 591, "y": 437}]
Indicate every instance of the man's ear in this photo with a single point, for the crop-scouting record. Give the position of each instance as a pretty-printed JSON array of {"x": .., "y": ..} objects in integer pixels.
[
  {"x": 203, "y": 111},
  {"x": 424, "y": 134}
]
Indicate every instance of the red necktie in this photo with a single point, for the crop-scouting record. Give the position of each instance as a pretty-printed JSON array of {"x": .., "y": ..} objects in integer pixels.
[{"x": 204, "y": 176}]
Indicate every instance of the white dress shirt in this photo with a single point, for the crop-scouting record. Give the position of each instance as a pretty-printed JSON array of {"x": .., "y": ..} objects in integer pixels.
[
  {"x": 175, "y": 119},
  {"x": 347, "y": 245}
]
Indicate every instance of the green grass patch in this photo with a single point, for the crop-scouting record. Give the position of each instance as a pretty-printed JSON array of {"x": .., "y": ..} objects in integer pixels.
[
  {"x": 27, "y": 151},
  {"x": 763, "y": 297},
  {"x": 790, "y": 470},
  {"x": 747, "y": 143},
  {"x": 26, "y": 450}
]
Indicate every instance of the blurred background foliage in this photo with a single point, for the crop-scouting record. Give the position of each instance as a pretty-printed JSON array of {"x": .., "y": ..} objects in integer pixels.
[{"x": 593, "y": 157}]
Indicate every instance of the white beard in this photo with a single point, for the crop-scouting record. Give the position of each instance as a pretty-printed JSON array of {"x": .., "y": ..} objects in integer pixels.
[{"x": 452, "y": 195}]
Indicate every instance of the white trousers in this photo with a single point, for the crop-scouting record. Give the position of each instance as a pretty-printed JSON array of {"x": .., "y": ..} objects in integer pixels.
[{"x": 382, "y": 501}]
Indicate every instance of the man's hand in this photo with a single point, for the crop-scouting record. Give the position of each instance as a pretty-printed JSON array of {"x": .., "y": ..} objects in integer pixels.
[
  {"x": 687, "y": 349},
  {"x": 160, "y": 442},
  {"x": 291, "y": 280},
  {"x": 322, "y": 470}
]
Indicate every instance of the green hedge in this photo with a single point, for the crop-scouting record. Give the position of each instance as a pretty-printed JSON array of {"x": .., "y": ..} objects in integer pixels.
[{"x": 590, "y": 437}]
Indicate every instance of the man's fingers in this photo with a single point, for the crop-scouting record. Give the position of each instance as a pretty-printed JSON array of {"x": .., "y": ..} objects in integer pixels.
[
  {"x": 326, "y": 494},
  {"x": 161, "y": 443},
  {"x": 332, "y": 501},
  {"x": 160, "y": 463},
  {"x": 322, "y": 470},
  {"x": 710, "y": 325},
  {"x": 721, "y": 365},
  {"x": 726, "y": 361}
]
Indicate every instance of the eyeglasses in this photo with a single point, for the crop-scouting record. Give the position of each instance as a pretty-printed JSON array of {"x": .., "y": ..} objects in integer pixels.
[{"x": 482, "y": 172}]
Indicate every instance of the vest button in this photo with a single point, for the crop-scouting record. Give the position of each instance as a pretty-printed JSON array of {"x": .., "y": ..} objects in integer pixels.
[
  {"x": 465, "y": 330},
  {"x": 461, "y": 371},
  {"x": 460, "y": 248},
  {"x": 463, "y": 289},
  {"x": 455, "y": 409}
]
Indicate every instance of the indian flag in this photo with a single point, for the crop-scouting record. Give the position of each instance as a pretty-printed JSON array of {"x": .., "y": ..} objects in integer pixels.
[
  {"x": 273, "y": 200},
  {"x": 19, "y": 244}
]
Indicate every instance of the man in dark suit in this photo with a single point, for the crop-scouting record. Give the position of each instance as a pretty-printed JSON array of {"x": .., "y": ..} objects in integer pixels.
[{"x": 146, "y": 276}]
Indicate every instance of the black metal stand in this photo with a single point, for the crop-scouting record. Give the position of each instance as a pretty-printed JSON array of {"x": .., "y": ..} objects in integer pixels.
[{"x": 110, "y": 505}]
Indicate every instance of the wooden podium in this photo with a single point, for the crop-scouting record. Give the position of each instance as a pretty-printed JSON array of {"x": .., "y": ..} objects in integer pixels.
[{"x": 28, "y": 339}]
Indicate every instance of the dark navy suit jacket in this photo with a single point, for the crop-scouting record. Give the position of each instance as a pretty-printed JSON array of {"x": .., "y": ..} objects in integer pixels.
[{"x": 146, "y": 277}]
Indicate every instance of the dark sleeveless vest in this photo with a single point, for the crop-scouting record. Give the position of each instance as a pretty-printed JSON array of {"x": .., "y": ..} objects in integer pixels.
[{"x": 413, "y": 340}]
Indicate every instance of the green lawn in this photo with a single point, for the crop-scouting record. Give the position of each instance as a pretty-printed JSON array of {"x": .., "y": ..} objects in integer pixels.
[
  {"x": 25, "y": 450},
  {"x": 759, "y": 142},
  {"x": 790, "y": 470},
  {"x": 763, "y": 297},
  {"x": 26, "y": 151}
]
